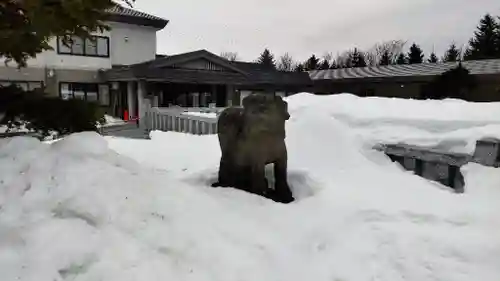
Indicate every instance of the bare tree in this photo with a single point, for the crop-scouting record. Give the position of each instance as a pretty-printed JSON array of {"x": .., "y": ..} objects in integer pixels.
[
  {"x": 231, "y": 56},
  {"x": 285, "y": 63},
  {"x": 345, "y": 59},
  {"x": 328, "y": 56},
  {"x": 392, "y": 47}
]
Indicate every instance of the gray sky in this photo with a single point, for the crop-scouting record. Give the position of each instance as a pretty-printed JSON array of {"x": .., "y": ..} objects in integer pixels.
[{"x": 304, "y": 27}]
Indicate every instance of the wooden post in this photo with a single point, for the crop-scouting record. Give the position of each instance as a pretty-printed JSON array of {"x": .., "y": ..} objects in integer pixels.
[{"x": 419, "y": 167}]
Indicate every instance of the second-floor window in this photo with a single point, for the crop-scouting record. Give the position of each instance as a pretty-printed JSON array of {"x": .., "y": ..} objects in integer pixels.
[{"x": 98, "y": 47}]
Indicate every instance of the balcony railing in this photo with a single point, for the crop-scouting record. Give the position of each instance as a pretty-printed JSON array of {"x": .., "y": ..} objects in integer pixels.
[{"x": 197, "y": 121}]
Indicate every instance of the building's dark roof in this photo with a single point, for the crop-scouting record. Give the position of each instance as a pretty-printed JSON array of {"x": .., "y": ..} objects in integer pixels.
[
  {"x": 119, "y": 13},
  {"x": 477, "y": 67},
  {"x": 267, "y": 75},
  {"x": 184, "y": 57},
  {"x": 238, "y": 73}
]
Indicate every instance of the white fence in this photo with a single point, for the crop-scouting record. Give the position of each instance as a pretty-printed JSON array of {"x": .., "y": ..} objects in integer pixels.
[{"x": 197, "y": 121}]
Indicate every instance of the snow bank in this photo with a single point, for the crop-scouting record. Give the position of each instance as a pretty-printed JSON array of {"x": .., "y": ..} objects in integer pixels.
[
  {"x": 111, "y": 121},
  {"x": 78, "y": 210},
  {"x": 450, "y": 124}
]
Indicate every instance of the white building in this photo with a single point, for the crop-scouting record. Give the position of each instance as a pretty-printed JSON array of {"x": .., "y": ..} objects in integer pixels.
[
  {"x": 74, "y": 72},
  {"x": 122, "y": 72}
]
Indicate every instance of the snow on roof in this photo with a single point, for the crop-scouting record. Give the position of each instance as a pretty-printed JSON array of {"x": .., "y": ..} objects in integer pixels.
[{"x": 479, "y": 67}]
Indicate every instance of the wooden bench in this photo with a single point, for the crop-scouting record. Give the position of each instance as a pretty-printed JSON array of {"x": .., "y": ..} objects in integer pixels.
[
  {"x": 440, "y": 166},
  {"x": 487, "y": 152},
  {"x": 429, "y": 163}
]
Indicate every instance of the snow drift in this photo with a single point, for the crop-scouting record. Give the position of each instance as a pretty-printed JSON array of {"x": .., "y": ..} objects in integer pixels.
[{"x": 93, "y": 208}]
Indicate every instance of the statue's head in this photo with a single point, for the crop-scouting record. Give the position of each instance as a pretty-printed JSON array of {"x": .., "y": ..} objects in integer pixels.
[{"x": 265, "y": 113}]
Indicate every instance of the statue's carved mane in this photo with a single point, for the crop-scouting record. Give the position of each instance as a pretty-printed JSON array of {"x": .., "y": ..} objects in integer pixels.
[{"x": 271, "y": 112}]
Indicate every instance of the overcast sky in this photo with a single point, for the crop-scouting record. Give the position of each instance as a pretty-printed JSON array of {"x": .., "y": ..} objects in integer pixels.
[{"x": 304, "y": 27}]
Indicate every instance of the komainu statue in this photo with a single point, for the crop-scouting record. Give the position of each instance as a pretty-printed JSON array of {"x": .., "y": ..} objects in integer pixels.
[{"x": 250, "y": 138}]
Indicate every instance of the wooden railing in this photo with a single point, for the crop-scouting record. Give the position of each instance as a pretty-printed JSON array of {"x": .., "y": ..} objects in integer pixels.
[{"x": 177, "y": 119}]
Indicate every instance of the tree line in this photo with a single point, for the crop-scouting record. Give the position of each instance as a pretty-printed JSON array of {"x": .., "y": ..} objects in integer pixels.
[{"x": 484, "y": 44}]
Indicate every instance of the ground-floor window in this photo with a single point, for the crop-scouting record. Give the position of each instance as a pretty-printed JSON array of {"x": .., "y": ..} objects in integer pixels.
[
  {"x": 86, "y": 91},
  {"x": 25, "y": 85}
]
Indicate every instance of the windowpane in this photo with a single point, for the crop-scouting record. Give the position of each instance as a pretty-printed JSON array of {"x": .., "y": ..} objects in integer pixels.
[
  {"x": 66, "y": 91},
  {"x": 104, "y": 94},
  {"x": 77, "y": 46},
  {"x": 79, "y": 91},
  {"x": 63, "y": 48},
  {"x": 102, "y": 46},
  {"x": 91, "y": 92},
  {"x": 90, "y": 47}
]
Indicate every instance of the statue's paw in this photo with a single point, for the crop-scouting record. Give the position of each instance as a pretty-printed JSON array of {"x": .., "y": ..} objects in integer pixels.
[
  {"x": 220, "y": 184},
  {"x": 286, "y": 199},
  {"x": 283, "y": 196}
]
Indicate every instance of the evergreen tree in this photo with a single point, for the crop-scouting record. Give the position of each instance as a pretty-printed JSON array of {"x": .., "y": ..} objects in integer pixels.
[
  {"x": 401, "y": 59},
  {"x": 454, "y": 83},
  {"x": 385, "y": 59},
  {"x": 486, "y": 41},
  {"x": 312, "y": 63},
  {"x": 324, "y": 65},
  {"x": 415, "y": 55},
  {"x": 358, "y": 58},
  {"x": 433, "y": 58},
  {"x": 452, "y": 54},
  {"x": 267, "y": 59},
  {"x": 347, "y": 61},
  {"x": 299, "y": 68}
]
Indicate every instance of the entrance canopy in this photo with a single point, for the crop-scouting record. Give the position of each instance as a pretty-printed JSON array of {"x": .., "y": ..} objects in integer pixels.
[{"x": 203, "y": 67}]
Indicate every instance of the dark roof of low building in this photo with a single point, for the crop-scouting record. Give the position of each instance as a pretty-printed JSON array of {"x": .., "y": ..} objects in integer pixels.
[
  {"x": 243, "y": 73},
  {"x": 119, "y": 13},
  {"x": 173, "y": 60},
  {"x": 269, "y": 75},
  {"x": 476, "y": 67}
]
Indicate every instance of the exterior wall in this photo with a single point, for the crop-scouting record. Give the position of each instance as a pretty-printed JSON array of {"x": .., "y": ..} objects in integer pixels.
[
  {"x": 22, "y": 74},
  {"x": 488, "y": 88},
  {"x": 131, "y": 44},
  {"x": 128, "y": 44},
  {"x": 52, "y": 59},
  {"x": 381, "y": 89}
]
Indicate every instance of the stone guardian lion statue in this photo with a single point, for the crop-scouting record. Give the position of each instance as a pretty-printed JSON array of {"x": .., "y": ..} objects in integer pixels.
[{"x": 250, "y": 138}]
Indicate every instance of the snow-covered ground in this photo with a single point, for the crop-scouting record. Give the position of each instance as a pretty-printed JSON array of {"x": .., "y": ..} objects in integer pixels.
[
  {"x": 93, "y": 208},
  {"x": 450, "y": 124}
]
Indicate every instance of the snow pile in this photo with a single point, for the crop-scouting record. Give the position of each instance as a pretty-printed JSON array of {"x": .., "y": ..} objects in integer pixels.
[
  {"x": 77, "y": 210},
  {"x": 111, "y": 121},
  {"x": 21, "y": 129},
  {"x": 450, "y": 124}
]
